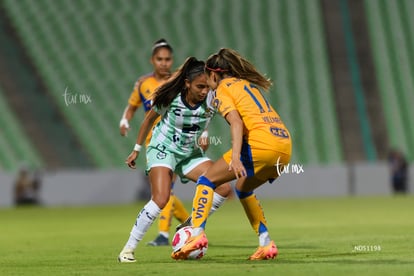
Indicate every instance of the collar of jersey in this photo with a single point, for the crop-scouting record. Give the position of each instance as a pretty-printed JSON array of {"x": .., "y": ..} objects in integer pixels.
[{"x": 188, "y": 105}]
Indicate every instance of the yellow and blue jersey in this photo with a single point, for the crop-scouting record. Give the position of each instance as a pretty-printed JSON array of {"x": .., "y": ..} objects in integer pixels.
[
  {"x": 144, "y": 89},
  {"x": 142, "y": 94},
  {"x": 263, "y": 128},
  {"x": 266, "y": 140}
]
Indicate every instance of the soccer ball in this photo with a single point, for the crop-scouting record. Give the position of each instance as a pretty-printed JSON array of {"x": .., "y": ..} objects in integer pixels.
[{"x": 179, "y": 239}]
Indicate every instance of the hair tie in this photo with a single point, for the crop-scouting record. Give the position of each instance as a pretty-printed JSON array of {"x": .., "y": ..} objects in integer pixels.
[{"x": 216, "y": 69}]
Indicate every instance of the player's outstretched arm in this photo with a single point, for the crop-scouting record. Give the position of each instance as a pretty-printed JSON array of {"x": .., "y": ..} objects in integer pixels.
[
  {"x": 145, "y": 128},
  {"x": 236, "y": 129},
  {"x": 126, "y": 117}
]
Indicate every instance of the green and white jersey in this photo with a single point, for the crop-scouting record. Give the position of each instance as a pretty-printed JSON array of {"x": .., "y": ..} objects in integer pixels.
[{"x": 181, "y": 124}]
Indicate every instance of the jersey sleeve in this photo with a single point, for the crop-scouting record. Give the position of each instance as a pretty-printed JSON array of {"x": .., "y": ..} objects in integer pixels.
[
  {"x": 134, "y": 98},
  {"x": 224, "y": 101}
]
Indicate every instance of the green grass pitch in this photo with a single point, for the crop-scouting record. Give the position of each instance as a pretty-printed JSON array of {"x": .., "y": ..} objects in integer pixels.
[{"x": 327, "y": 236}]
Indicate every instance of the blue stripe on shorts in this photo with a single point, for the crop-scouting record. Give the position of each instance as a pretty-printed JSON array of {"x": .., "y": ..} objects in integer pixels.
[{"x": 247, "y": 159}]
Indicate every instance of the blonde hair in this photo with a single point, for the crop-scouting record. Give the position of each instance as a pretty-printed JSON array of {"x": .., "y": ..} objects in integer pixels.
[{"x": 230, "y": 62}]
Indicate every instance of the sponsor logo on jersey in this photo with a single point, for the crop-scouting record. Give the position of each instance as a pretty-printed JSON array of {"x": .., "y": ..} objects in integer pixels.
[
  {"x": 216, "y": 103},
  {"x": 192, "y": 128},
  {"x": 279, "y": 132}
]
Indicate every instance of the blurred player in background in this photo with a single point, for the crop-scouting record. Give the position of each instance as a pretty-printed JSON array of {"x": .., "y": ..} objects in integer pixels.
[
  {"x": 161, "y": 60},
  {"x": 26, "y": 187},
  {"x": 184, "y": 105},
  {"x": 399, "y": 171},
  {"x": 260, "y": 144}
]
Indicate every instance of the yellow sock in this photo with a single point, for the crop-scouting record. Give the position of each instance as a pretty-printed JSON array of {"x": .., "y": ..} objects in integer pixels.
[
  {"x": 202, "y": 202},
  {"x": 166, "y": 214},
  {"x": 179, "y": 210},
  {"x": 254, "y": 212}
]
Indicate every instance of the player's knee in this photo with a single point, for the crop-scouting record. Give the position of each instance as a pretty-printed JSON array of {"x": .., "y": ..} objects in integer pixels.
[
  {"x": 161, "y": 200},
  {"x": 224, "y": 190}
]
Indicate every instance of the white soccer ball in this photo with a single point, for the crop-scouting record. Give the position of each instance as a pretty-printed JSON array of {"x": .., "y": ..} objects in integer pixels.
[{"x": 179, "y": 239}]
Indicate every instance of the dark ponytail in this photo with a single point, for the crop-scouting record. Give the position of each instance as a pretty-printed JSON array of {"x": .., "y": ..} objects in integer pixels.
[{"x": 166, "y": 93}]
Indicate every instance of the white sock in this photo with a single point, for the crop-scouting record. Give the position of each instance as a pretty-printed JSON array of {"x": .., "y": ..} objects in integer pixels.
[
  {"x": 164, "y": 234},
  {"x": 143, "y": 222},
  {"x": 218, "y": 200},
  {"x": 264, "y": 239}
]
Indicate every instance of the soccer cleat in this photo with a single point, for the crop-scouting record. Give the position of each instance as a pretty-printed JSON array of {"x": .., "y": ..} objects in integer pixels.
[
  {"x": 160, "y": 240},
  {"x": 197, "y": 242},
  {"x": 187, "y": 222},
  {"x": 265, "y": 252},
  {"x": 126, "y": 256}
]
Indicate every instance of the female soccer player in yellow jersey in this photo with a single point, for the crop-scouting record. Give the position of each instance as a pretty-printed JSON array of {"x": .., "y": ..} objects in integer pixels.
[
  {"x": 184, "y": 105},
  {"x": 260, "y": 143},
  {"x": 161, "y": 60}
]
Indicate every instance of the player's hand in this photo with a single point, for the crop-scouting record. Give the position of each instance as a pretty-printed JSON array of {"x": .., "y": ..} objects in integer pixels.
[
  {"x": 130, "y": 161},
  {"x": 237, "y": 167},
  {"x": 124, "y": 130},
  {"x": 203, "y": 143}
]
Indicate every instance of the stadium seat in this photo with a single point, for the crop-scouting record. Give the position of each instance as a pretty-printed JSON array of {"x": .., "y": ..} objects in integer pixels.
[
  {"x": 392, "y": 34},
  {"x": 100, "y": 47},
  {"x": 15, "y": 146}
]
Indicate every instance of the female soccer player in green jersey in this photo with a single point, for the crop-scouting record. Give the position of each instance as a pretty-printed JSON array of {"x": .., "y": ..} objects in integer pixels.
[
  {"x": 144, "y": 89},
  {"x": 185, "y": 106}
]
